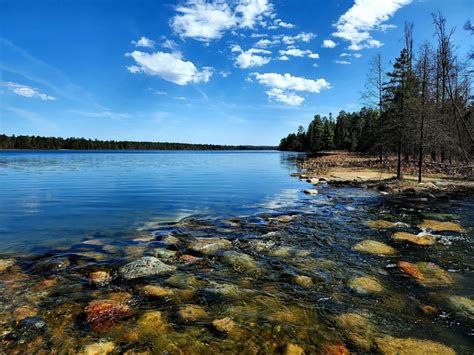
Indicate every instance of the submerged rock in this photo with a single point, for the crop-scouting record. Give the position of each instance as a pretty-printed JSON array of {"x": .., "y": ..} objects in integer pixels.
[
  {"x": 25, "y": 311},
  {"x": 100, "y": 348},
  {"x": 365, "y": 285},
  {"x": 103, "y": 314},
  {"x": 438, "y": 226},
  {"x": 226, "y": 290},
  {"x": 282, "y": 219},
  {"x": 335, "y": 349},
  {"x": 303, "y": 281},
  {"x": 373, "y": 247},
  {"x": 163, "y": 253},
  {"x": 28, "y": 329},
  {"x": 210, "y": 245},
  {"x": 152, "y": 322},
  {"x": 155, "y": 291},
  {"x": 287, "y": 252},
  {"x": 240, "y": 261},
  {"x": 311, "y": 192},
  {"x": 358, "y": 329},
  {"x": 224, "y": 325},
  {"x": 293, "y": 349},
  {"x": 462, "y": 305},
  {"x": 6, "y": 264},
  {"x": 427, "y": 274},
  {"x": 380, "y": 224},
  {"x": 408, "y": 346},
  {"x": 424, "y": 239},
  {"x": 183, "y": 280},
  {"x": 189, "y": 259},
  {"x": 100, "y": 278},
  {"x": 192, "y": 313},
  {"x": 143, "y": 267}
]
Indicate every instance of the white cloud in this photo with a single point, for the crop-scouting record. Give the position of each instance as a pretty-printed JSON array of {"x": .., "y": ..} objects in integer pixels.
[
  {"x": 301, "y": 37},
  {"x": 264, "y": 43},
  {"x": 343, "y": 62},
  {"x": 283, "y": 88},
  {"x": 144, "y": 42},
  {"x": 328, "y": 43},
  {"x": 365, "y": 16},
  {"x": 251, "y": 58},
  {"x": 168, "y": 66},
  {"x": 296, "y": 52},
  {"x": 206, "y": 20},
  {"x": 170, "y": 44},
  {"x": 280, "y": 23},
  {"x": 283, "y": 57},
  {"x": 26, "y": 91},
  {"x": 355, "y": 55}
]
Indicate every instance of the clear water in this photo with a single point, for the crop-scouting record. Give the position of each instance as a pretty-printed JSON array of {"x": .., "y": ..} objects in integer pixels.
[
  {"x": 59, "y": 197},
  {"x": 64, "y": 215}
]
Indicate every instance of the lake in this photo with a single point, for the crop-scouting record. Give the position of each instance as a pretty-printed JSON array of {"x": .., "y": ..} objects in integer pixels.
[
  {"x": 222, "y": 252},
  {"x": 52, "y": 197}
]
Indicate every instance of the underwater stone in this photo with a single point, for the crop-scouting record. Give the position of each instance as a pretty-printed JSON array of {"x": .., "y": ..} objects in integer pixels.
[
  {"x": 462, "y": 305},
  {"x": 311, "y": 192},
  {"x": 100, "y": 278},
  {"x": 189, "y": 259},
  {"x": 210, "y": 245},
  {"x": 25, "y": 311},
  {"x": 224, "y": 325},
  {"x": 380, "y": 224},
  {"x": 293, "y": 349},
  {"x": 358, "y": 328},
  {"x": 192, "y": 313},
  {"x": 282, "y": 219},
  {"x": 408, "y": 346},
  {"x": 425, "y": 239},
  {"x": 151, "y": 322},
  {"x": 427, "y": 274},
  {"x": 438, "y": 226},
  {"x": 334, "y": 350},
  {"x": 163, "y": 253},
  {"x": 374, "y": 247},
  {"x": 143, "y": 267},
  {"x": 100, "y": 348},
  {"x": 365, "y": 285},
  {"x": 303, "y": 281},
  {"x": 155, "y": 291},
  {"x": 6, "y": 264},
  {"x": 28, "y": 329},
  {"x": 240, "y": 261},
  {"x": 103, "y": 314}
]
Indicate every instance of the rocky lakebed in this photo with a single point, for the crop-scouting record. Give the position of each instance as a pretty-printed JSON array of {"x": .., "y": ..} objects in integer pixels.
[{"x": 343, "y": 270}]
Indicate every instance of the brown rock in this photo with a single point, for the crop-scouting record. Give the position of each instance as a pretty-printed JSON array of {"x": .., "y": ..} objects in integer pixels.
[
  {"x": 189, "y": 259},
  {"x": 24, "y": 311},
  {"x": 6, "y": 264},
  {"x": 224, "y": 325},
  {"x": 101, "y": 348},
  {"x": 374, "y": 247},
  {"x": 427, "y": 274},
  {"x": 192, "y": 313},
  {"x": 304, "y": 281},
  {"x": 396, "y": 346},
  {"x": 438, "y": 226},
  {"x": 293, "y": 349},
  {"x": 100, "y": 278},
  {"x": 156, "y": 291},
  {"x": 152, "y": 322},
  {"x": 415, "y": 239},
  {"x": 103, "y": 314},
  {"x": 365, "y": 285},
  {"x": 334, "y": 350}
]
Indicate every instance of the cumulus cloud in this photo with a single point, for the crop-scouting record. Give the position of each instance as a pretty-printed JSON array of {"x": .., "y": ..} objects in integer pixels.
[
  {"x": 328, "y": 43},
  {"x": 280, "y": 23},
  {"x": 168, "y": 66},
  {"x": 354, "y": 55},
  {"x": 301, "y": 37},
  {"x": 264, "y": 43},
  {"x": 206, "y": 20},
  {"x": 26, "y": 91},
  {"x": 363, "y": 17},
  {"x": 343, "y": 62},
  {"x": 283, "y": 88},
  {"x": 251, "y": 58},
  {"x": 296, "y": 52},
  {"x": 144, "y": 42}
]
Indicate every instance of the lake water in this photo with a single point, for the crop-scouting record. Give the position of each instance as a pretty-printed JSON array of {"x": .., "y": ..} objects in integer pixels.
[
  {"x": 221, "y": 252},
  {"x": 50, "y": 197}
]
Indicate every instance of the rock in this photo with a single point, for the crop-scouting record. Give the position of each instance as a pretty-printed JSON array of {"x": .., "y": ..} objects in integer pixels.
[
  {"x": 282, "y": 219},
  {"x": 110, "y": 248},
  {"x": 100, "y": 278},
  {"x": 92, "y": 255},
  {"x": 6, "y": 264},
  {"x": 192, "y": 313},
  {"x": 135, "y": 250},
  {"x": 45, "y": 284},
  {"x": 240, "y": 261},
  {"x": 427, "y": 274},
  {"x": 146, "y": 238},
  {"x": 424, "y": 239},
  {"x": 334, "y": 350},
  {"x": 293, "y": 349},
  {"x": 210, "y": 245},
  {"x": 28, "y": 329},
  {"x": 303, "y": 281},
  {"x": 226, "y": 290},
  {"x": 182, "y": 280},
  {"x": 156, "y": 291},
  {"x": 189, "y": 259},
  {"x": 100, "y": 348},
  {"x": 152, "y": 322},
  {"x": 224, "y": 325},
  {"x": 374, "y": 247},
  {"x": 365, "y": 285},
  {"x": 163, "y": 253},
  {"x": 408, "y": 346},
  {"x": 462, "y": 305},
  {"x": 427, "y": 309},
  {"x": 103, "y": 314},
  {"x": 261, "y": 245},
  {"x": 311, "y": 192},
  {"x": 287, "y": 252},
  {"x": 358, "y": 329},
  {"x": 169, "y": 239},
  {"x": 96, "y": 242},
  {"x": 438, "y": 226},
  {"x": 143, "y": 267},
  {"x": 23, "y": 312},
  {"x": 380, "y": 224},
  {"x": 120, "y": 296},
  {"x": 313, "y": 181}
]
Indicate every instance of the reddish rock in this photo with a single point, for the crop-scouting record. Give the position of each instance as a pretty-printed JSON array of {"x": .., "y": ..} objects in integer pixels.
[
  {"x": 334, "y": 350},
  {"x": 189, "y": 259},
  {"x": 410, "y": 269},
  {"x": 103, "y": 314}
]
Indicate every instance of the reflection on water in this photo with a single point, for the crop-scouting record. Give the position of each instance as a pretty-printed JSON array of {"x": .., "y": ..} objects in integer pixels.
[
  {"x": 49, "y": 197},
  {"x": 319, "y": 275}
]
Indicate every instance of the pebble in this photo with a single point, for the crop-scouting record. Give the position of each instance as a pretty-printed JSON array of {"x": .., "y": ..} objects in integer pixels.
[{"x": 103, "y": 314}]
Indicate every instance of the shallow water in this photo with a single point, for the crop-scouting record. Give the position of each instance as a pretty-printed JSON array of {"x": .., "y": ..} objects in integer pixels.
[{"x": 254, "y": 282}]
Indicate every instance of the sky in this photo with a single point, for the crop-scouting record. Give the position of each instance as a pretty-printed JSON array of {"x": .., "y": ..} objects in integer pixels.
[{"x": 198, "y": 71}]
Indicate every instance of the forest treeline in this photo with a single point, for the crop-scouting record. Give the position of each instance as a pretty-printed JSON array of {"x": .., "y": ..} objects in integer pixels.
[
  {"x": 420, "y": 109},
  {"x": 54, "y": 143}
]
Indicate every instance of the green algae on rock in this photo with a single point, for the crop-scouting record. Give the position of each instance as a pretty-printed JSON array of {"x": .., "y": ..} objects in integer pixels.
[
  {"x": 464, "y": 306},
  {"x": 407, "y": 346},
  {"x": 240, "y": 261},
  {"x": 374, "y": 247},
  {"x": 365, "y": 285}
]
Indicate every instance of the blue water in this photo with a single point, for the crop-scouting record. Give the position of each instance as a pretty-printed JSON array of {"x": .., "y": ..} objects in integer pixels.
[{"x": 57, "y": 197}]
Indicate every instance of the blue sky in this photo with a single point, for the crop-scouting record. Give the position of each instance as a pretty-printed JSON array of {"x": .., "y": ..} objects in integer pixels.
[{"x": 214, "y": 71}]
